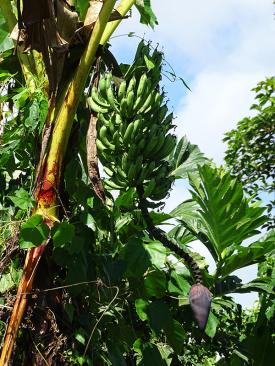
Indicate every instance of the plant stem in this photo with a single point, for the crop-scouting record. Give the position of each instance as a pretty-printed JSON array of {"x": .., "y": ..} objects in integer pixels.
[
  {"x": 123, "y": 9},
  {"x": 159, "y": 235},
  {"x": 46, "y": 199},
  {"x": 67, "y": 112}
]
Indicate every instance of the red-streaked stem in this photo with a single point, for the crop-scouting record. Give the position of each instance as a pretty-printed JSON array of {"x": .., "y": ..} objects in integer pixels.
[{"x": 49, "y": 181}]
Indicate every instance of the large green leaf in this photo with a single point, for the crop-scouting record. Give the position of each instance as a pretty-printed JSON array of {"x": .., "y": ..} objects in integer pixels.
[
  {"x": 147, "y": 15},
  {"x": 191, "y": 225},
  {"x": 186, "y": 158},
  {"x": 151, "y": 356},
  {"x": 245, "y": 256},
  {"x": 5, "y": 42},
  {"x": 139, "y": 256},
  {"x": 224, "y": 215},
  {"x": 33, "y": 232}
]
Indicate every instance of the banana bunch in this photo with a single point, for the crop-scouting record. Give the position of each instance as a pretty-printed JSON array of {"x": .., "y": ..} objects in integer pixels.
[{"x": 134, "y": 125}]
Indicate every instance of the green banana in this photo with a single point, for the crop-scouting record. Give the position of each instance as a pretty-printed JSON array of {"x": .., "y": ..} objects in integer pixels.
[
  {"x": 132, "y": 152},
  {"x": 128, "y": 133},
  {"x": 168, "y": 147},
  {"x": 131, "y": 172},
  {"x": 123, "y": 107},
  {"x": 108, "y": 171},
  {"x": 122, "y": 90},
  {"x": 152, "y": 140},
  {"x": 152, "y": 144},
  {"x": 95, "y": 107},
  {"x": 161, "y": 113},
  {"x": 140, "y": 100},
  {"x": 118, "y": 119},
  {"x": 137, "y": 129},
  {"x": 131, "y": 85},
  {"x": 161, "y": 190},
  {"x": 109, "y": 92},
  {"x": 157, "y": 148},
  {"x": 130, "y": 102},
  {"x": 100, "y": 146},
  {"x": 117, "y": 139},
  {"x": 110, "y": 184},
  {"x": 147, "y": 103},
  {"x": 135, "y": 168},
  {"x": 121, "y": 182},
  {"x": 121, "y": 172},
  {"x": 124, "y": 162},
  {"x": 95, "y": 96},
  {"x": 104, "y": 139},
  {"x": 110, "y": 123},
  {"x": 141, "y": 144},
  {"x": 103, "y": 120},
  {"x": 161, "y": 172},
  {"x": 142, "y": 85},
  {"x": 102, "y": 86},
  {"x": 148, "y": 171}
]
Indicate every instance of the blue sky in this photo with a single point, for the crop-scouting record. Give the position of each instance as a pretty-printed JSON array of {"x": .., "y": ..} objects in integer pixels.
[{"x": 221, "y": 48}]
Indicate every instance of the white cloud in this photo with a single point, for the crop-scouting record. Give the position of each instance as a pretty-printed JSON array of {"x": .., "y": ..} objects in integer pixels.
[{"x": 218, "y": 100}]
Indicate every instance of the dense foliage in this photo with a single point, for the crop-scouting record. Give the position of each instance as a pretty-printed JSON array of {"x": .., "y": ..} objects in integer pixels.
[
  {"x": 106, "y": 291},
  {"x": 250, "y": 151}
]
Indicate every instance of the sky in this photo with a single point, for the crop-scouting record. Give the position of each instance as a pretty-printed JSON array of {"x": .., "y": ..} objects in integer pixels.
[{"x": 221, "y": 49}]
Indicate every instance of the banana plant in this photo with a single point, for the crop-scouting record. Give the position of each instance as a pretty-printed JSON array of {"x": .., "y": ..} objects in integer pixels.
[{"x": 50, "y": 165}]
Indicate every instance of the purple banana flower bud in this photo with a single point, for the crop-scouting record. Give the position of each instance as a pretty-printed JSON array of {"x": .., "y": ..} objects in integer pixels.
[{"x": 200, "y": 302}]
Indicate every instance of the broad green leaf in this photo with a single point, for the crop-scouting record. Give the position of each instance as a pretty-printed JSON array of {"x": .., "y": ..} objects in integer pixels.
[
  {"x": 178, "y": 284},
  {"x": 22, "y": 199},
  {"x": 191, "y": 225},
  {"x": 142, "y": 308},
  {"x": 80, "y": 336},
  {"x": 147, "y": 15},
  {"x": 82, "y": 7},
  {"x": 151, "y": 356},
  {"x": 257, "y": 285},
  {"x": 21, "y": 97},
  {"x": 33, "y": 233},
  {"x": 159, "y": 316},
  {"x": 149, "y": 63},
  {"x": 181, "y": 235},
  {"x": 159, "y": 217},
  {"x": 186, "y": 158},
  {"x": 6, "y": 282},
  {"x": 245, "y": 256},
  {"x": 155, "y": 283},
  {"x": 63, "y": 233},
  {"x": 137, "y": 345},
  {"x": 35, "y": 112},
  {"x": 224, "y": 216},
  {"x": 176, "y": 335},
  {"x": 5, "y": 42},
  {"x": 137, "y": 258},
  {"x": 157, "y": 253},
  {"x": 140, "y": 255},
  {"x": 211, "y": 325},
  {"x": 126, "y": 199}
]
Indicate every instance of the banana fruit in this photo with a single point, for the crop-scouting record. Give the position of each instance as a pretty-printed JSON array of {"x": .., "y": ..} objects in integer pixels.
[{"x": 134, "y": 139}]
